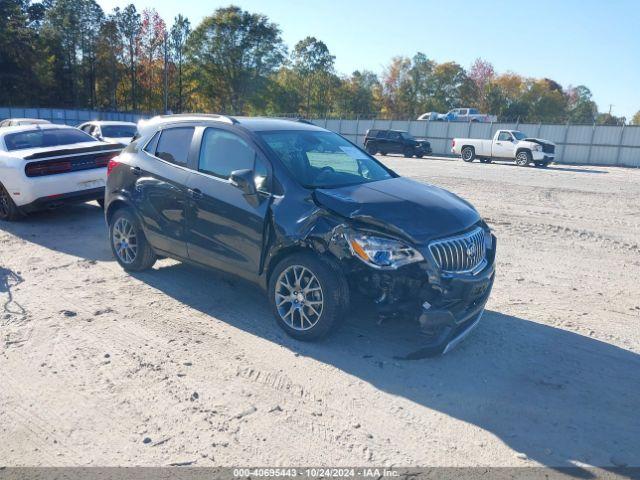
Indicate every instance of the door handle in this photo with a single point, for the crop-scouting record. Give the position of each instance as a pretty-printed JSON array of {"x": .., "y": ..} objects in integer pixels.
[
  {"x": 195, "y": 193},
  {"x": 136, "y": 170}
]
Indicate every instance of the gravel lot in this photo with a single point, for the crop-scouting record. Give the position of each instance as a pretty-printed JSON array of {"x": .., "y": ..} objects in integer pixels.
[{"x": 181, "y": 366}]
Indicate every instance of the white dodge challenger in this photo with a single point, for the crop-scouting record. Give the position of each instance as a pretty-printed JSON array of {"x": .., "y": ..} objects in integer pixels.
[{"x": 43, "y": 166}]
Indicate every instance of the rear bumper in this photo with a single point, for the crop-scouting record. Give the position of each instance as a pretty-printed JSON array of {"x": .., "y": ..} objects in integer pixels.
[{"x": 53, "y": 201}]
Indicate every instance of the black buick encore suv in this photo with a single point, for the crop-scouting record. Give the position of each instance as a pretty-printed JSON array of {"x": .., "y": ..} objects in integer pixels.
[{"x": 305, "y": 214}]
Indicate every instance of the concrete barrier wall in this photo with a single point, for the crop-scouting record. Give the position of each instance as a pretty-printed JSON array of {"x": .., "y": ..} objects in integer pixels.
[{"x": 576, "y": 144}]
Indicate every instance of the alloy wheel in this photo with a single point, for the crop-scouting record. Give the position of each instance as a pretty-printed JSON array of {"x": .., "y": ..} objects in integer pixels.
[
  {"x": 299, "y": 298},
  {"x": 125, "y": 240}
]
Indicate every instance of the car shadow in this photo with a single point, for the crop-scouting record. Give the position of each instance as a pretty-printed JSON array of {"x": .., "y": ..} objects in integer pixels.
[
  {"x": 551, "y": 395},
  {"x": 79, "y": 230},
  {"x": 555, "y": 168}
]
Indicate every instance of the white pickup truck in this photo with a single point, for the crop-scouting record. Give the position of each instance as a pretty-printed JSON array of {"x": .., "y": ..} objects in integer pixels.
[{"x": 506, "y": 145}]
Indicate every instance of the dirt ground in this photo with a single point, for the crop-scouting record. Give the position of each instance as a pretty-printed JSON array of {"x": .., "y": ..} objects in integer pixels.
[{"x": 180, "y": 366}]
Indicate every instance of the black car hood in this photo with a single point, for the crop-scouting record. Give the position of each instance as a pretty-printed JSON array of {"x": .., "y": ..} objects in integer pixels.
[{"x": 414, "y": 210}]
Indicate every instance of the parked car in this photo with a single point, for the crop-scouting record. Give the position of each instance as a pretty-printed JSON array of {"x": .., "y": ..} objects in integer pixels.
[
  {"x": 395, "y": 141},
  {"x": 110, "y": 131},
  {"x": 15, "y": 122},
  {"x": 431, "y": 116},
  {"x": 466, "y": 115},
  {"x": 42, "y": 166},
  {"x": 305, "y": 214},
  {"x": 506, "y": 145}
]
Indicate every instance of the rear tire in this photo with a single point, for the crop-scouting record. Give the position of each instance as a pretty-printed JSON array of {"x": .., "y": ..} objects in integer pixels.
[
  {"x": 128, "y": 243},
  {"x": 309, "y": 296},
  {"x": 372, "y": 148},
  {"x": 523, "y": 158},
  {"x": 8, "y": 210},
  {"x": 468, "y": 154}
]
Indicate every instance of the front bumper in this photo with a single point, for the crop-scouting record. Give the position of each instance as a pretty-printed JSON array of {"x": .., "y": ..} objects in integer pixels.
[
  {"x": 457, "y": 311},
  {"x": 539, "y": 156}
]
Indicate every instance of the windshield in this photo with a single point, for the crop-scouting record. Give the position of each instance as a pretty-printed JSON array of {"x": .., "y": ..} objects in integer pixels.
[
  {"x": 519, "y": 135},
  {"x": 324, "y": 159},
  {"x": 51, "y": 137},
  {"x": 127, "y": 131}
]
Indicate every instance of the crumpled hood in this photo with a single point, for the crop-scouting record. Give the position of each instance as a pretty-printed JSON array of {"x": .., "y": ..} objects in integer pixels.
[
  {"x": 539, "y": 141},
  {"x": 415, "y": 210}
]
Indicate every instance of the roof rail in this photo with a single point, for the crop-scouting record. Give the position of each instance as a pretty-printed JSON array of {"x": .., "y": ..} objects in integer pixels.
[
  {"x": 304, "y": 120},
  {"x": 210, "y": 116}
]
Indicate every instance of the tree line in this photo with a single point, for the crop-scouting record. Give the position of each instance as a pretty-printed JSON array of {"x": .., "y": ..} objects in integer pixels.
[{"x": 70, "y": 53}]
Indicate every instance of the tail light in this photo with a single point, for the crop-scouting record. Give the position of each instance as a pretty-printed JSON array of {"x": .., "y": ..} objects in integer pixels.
[
  {"x": 112, "y": 164},
  {"x": 453, "y": 142},
  {"x": 39, "y": 169}
]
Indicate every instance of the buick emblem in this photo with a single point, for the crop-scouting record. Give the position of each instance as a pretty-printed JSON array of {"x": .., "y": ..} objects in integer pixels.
[{"x": 471, "y": 249}]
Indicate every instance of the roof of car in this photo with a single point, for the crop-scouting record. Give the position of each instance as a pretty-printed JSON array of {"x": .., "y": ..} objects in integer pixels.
[
  {"x": 39, "y": 120},
  {"x": 250, "y": 123},
  {"x": 109, "y": 122},
  {"x": 26, "y": 128}
]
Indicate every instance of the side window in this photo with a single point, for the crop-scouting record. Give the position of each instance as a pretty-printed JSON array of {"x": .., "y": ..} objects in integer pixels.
[
  {"x": 153, "y": 144},
  {"x": 381, "y": 134},
  {"x": 223, "y": 152},
  {"x": 504, "y": 137},
  {"x": 394, "y": 136},
  {"x": 174, "y": 145}
]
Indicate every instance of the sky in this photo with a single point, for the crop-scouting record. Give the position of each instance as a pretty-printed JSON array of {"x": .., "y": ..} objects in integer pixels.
[{"x": 590, "y": 42}]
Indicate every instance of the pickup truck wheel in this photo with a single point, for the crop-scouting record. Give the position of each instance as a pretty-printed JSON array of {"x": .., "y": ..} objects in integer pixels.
[
  {"x": 409, "y": 152},
  {"x": 468, "y": 154},
  {"x": 8, "y": 209},
  {"x": 523, "y": 158},
  {"x": 372, "y": 148},
  {"x": 309, "y": 295}
]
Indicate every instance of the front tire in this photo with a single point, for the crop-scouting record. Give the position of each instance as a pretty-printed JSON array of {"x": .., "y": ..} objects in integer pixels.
[
  {"x": 8, "y": 210},
  {"x": 523, "y": 158},
  {"x": 468, "y": 154},
  {"x": 309, "y": 296},
  {"x": 128, "y": 243},
  {"x": 409, "y": 152}
]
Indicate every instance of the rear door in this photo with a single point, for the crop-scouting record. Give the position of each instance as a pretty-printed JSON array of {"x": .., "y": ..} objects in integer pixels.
[
  {"x": 394, "y": 144},
  {"x": 223, "y": 229},
  {"x": 161, "y": 191}
]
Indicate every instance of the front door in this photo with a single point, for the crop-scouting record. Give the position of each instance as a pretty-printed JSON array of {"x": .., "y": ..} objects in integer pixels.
[
  {"x": 224, "y": 229},
  {"x": 504, "y": 146}
]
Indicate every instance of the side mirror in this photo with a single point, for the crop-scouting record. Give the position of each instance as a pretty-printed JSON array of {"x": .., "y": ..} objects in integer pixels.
[{"x": 244, "y": 180}]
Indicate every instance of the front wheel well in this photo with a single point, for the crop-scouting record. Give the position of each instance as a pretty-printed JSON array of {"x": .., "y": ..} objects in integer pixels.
[
  {"x": 293, "y": 249},
  {"x": 523, "y": 149}
]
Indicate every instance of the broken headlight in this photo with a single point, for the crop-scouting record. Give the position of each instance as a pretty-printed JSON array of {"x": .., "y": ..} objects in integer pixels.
[{"x": 380, "y": 252}]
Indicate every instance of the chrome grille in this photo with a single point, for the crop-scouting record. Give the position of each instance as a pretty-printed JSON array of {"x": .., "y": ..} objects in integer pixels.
[{"x": 462, "y": 253}]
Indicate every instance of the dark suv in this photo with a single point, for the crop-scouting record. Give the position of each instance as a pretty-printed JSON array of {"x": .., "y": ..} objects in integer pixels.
[
  {"x": 395, "y": 141},
  {"x": 306, "y": 215}
]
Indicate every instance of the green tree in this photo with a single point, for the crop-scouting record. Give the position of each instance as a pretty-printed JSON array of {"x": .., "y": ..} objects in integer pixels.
[
  {"x": 129, "y": 24},
  {"x": 179, "y": 35},
  {"x": 232, "y": 54},
  {"x": 581, "y": 109},
  {"x": 636, "y": 118},
  {"x": 313, "y": 63}
]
